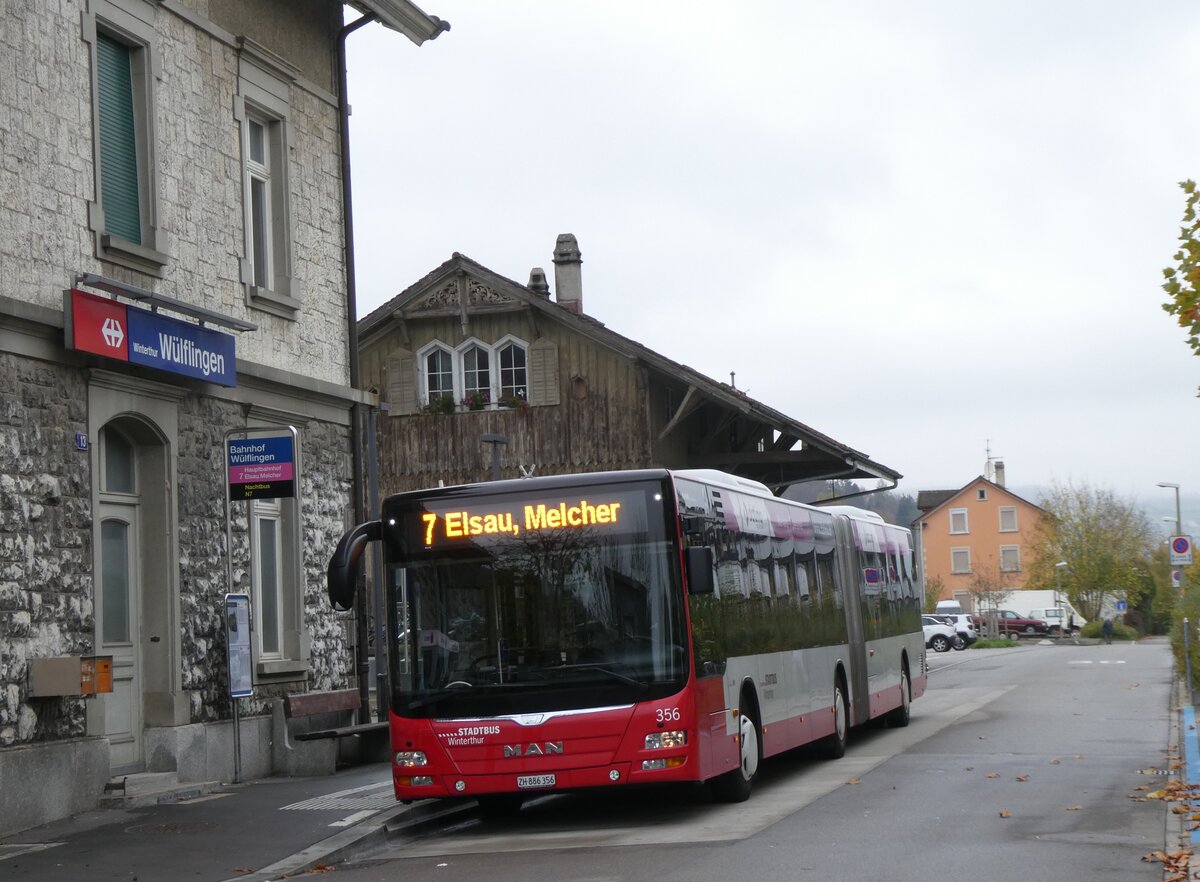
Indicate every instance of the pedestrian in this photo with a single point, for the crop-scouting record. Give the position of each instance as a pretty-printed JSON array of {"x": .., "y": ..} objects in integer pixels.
[{"x": 1107, "y": 628}]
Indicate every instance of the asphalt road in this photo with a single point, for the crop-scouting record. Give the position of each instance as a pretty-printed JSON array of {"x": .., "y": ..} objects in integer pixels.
[{"x": 1024, "y": 763}]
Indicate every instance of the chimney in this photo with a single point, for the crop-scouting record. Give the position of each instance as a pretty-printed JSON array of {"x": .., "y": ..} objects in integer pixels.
[
  {"x": 568, "y": 273},
  {"x": 537, "y": 282},
  {"x": 1000, "y": 473}
]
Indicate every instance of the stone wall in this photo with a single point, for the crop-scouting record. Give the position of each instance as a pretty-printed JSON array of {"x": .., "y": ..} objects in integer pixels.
[{"x": 45, "y": 542}]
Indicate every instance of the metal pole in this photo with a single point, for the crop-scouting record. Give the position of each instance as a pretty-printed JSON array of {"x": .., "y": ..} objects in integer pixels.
[
  {"x": 381, "y": 697},
  {"x": 495, "y": 441}
]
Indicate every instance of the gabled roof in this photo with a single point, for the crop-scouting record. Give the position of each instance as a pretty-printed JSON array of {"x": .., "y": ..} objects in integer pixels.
[
  {"x": 819, "y": 457},
  {"x": 402, "y": 16},
  {"x": 929, "y": 501}
]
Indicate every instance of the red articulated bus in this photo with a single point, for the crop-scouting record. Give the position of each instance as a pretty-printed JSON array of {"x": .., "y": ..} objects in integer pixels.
[{"x": 617, "y": 628}]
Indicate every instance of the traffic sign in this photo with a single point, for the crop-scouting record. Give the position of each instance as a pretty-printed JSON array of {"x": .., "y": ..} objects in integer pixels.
[
  {"x": 1181, "y": 551},
  {"x": 1176, "y": 578},
  {"x": 1122, "y": 606}
]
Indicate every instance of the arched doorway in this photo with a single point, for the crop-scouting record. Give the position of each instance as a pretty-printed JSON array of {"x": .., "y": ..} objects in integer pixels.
[{"x": 133, "y": 601}]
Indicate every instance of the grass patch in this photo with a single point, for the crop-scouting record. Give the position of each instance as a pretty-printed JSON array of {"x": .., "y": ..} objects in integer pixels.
[{"x": 993, "y": 643}]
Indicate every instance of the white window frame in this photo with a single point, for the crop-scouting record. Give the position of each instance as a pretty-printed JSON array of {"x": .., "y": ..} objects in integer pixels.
[
  {"x": 981, "y": 494},
  {"x": 264, "y": 99},
  {"x": 1011, "y": 551},
  {"x": 267, "y": 512},
  {"x": 1006, "y": 509},
  {"x": 957, "y": 553},
  {"x": 130, "y": 22},
  {"x": 501, "y": 344},
  {"x": 959, "y": 512},
  {"x": 458, "y": 357},
  {"x": 423, "y": 373}
]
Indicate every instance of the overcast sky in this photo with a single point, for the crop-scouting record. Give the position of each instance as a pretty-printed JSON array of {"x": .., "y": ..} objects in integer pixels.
[{"x": 920, "y": 228}]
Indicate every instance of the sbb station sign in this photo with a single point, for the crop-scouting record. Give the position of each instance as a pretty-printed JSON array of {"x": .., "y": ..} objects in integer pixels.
[{"x": 127, "y": 333}]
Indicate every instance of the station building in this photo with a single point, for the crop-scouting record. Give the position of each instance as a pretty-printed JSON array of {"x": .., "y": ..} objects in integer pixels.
[{"x": 172, "y": 276}]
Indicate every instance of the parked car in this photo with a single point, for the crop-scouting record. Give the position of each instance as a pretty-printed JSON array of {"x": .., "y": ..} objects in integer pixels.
[
  {"x": 938, "y": 635},
  {"x": 1009, "y": 624},
  {"x": 965, "y": 630}
]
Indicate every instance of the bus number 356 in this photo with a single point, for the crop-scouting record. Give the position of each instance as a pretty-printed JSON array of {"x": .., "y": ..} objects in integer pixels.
[{"x": 667, "y": 715}]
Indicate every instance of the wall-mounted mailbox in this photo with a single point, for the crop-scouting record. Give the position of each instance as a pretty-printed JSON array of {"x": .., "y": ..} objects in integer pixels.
[{"x": 70, "y": 675}]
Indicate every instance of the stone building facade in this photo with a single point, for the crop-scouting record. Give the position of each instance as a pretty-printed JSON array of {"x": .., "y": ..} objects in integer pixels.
[{"x": 171, "y": 172}]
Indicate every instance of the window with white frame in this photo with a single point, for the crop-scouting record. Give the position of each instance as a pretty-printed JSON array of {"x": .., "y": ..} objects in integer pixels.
[
  {"x": 439, "y": 375},
  {"x": 981, "y": 494},
  {"x": 960, "y": 560},
  {"x": 958, "y": 520},
  {"x": 1010, "y": 558},
  {"x": 262, "y": 110},
  {"x": 266, "y": 552},
  {"x": 124, "y": 217},
  {"x": 1008, "y": 519},
  {"x": 475, "y": 374},
  {"x": 514, "y": 378}
]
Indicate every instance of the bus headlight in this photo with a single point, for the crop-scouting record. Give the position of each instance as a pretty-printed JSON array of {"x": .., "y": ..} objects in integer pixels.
[
  {"x": 666, "y": 740},
  {"x": 406, "y": 759}
]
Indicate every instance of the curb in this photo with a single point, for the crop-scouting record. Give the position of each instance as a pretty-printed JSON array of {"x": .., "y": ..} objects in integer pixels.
[{"x": 357, "y": 841}]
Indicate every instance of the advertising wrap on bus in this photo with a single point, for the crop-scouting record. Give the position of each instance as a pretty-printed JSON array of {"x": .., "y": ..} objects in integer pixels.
[{"x": 631, "y": 627}]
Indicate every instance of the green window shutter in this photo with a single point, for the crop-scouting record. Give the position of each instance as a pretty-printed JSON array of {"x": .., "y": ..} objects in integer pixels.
[{"x": 118, "y": 141}]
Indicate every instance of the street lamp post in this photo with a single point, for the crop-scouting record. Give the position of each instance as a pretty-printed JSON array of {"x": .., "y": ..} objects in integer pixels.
[
  {"x": 1187, "y": 648},
  {"x": 1062, "y": 612}
]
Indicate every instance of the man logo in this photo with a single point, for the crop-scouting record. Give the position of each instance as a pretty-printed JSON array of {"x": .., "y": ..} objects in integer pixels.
[{"x": 549, "y": 748}]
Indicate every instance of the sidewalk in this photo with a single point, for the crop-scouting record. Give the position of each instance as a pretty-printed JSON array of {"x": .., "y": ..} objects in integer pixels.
[{"x": 261, "y": 830}]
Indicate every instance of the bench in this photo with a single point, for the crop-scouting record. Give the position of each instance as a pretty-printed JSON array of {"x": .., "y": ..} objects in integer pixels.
[{"x": 314, "y": 732}]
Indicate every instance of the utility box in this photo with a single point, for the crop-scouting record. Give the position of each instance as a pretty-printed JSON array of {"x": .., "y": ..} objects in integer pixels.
[{"x": 70, "y": 675}]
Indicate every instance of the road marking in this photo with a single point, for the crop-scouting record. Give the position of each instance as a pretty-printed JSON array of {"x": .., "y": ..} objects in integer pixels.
[
  {"x": 354, "y": 818},
  {"x": 371, "y": 796},
  {"x": 20, "y": 848}
]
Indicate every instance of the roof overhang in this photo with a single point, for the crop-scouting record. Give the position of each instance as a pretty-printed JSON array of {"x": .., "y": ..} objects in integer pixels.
[{"x": 404, "y": 17}]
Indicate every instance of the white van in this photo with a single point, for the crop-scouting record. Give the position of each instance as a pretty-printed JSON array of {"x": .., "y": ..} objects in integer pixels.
[
  {"x": 1054, "y": 616},
  {"x": 949, "y": 607}
]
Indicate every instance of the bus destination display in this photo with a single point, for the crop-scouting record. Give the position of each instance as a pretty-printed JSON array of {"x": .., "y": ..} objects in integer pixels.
[{"x": 498, "y": 519}]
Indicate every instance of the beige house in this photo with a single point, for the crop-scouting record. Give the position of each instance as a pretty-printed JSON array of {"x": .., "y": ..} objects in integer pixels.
[{"x": 979, "y": 535}]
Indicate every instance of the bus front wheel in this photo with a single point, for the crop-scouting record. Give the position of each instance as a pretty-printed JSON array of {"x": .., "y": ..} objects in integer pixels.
[{"x": 735, "y": 785}]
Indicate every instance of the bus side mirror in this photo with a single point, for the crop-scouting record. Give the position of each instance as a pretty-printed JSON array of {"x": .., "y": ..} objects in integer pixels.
[
  {"x": 698, "y": 563},
  {"x": 342, "y": 575}
]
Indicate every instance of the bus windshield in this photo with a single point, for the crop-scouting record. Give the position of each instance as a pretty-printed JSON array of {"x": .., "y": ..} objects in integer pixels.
[{"x": 522, "y": 603}]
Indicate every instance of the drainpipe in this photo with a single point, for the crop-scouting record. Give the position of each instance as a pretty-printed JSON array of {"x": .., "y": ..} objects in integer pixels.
[{"x": 362, "y": 665}]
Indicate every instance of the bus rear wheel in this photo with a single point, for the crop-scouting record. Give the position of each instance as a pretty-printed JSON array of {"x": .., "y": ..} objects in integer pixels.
[
  {"x": 736, "y": 784},
  {"x": 834, "y": 746}
]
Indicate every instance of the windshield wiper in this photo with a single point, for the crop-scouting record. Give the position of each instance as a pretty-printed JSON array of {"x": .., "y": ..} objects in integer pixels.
[
  {"x": 434, "y": 696},
  {"x": 599, "y": 668}
]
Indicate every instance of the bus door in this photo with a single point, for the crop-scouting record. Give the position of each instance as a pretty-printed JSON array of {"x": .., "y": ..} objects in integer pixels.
[{"x": 851, "y": 576}]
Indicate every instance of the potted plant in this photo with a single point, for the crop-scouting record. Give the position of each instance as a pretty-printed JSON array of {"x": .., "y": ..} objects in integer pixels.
[
  {"x": 511, "y": 400},
  {"x": 440, "y": 404},
  {"x": 477, "y": 399}
]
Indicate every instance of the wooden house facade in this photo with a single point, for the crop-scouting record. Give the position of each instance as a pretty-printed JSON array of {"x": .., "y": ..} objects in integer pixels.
[{"x": 465, "y": 355}]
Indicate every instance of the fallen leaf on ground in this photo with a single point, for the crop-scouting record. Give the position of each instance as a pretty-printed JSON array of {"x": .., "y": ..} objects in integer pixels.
[
  {"x": 992, "y": 775},
  {"x": 1022, "y": 777},
  {"x": 1004, "y": 813},
  {"x": 1056, "y": 762},
  {"x": 1074, "y": 808},
  {"x": 854, "y": 781}
]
